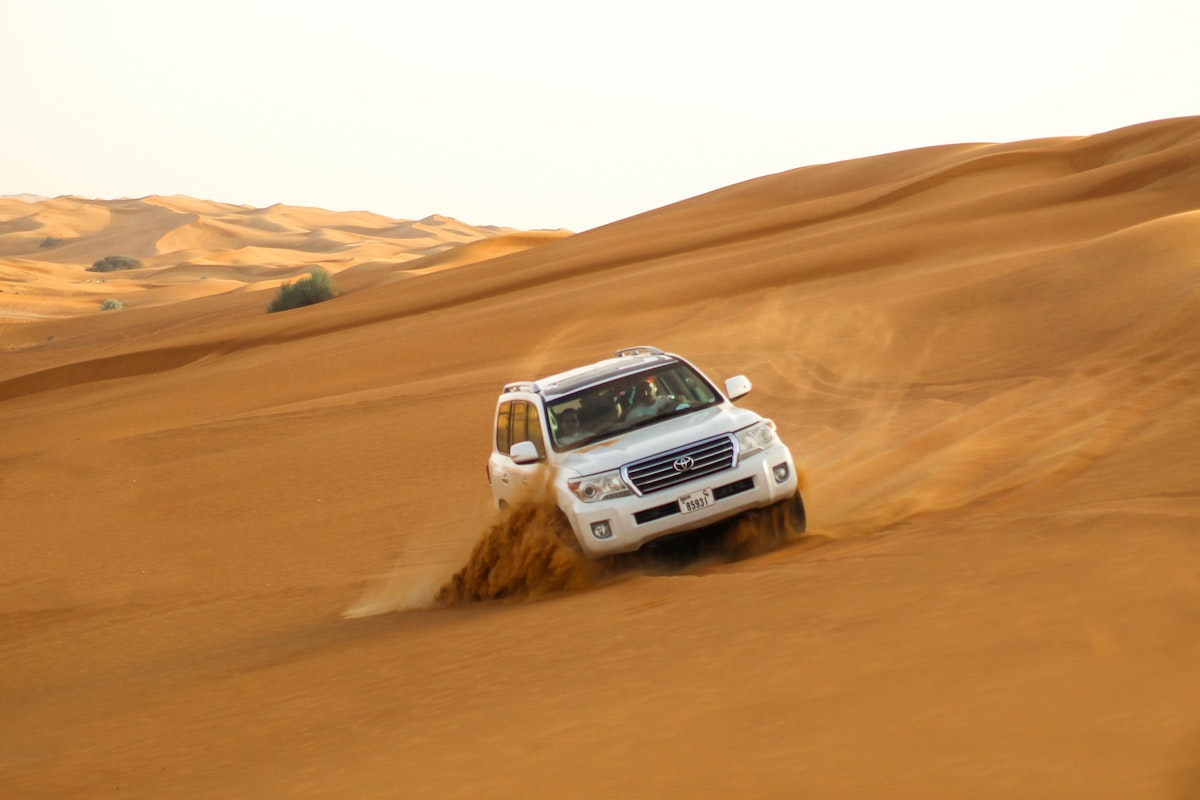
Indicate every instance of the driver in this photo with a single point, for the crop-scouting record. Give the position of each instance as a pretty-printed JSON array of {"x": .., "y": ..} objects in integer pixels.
[{"x": 645, "y": 400}]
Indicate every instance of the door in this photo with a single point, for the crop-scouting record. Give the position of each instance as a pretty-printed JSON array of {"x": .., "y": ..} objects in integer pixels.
[{"x": 516, "y": 421}]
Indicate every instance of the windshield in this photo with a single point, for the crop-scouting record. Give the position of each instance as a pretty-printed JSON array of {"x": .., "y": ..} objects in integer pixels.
[{"x": 626, "y": 403}]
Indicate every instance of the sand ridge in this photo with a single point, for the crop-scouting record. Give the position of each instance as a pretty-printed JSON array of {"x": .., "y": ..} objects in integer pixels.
[{"x": 983, "y": 355}]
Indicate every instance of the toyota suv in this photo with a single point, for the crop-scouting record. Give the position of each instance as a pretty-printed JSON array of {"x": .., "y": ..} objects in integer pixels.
[{"x": 638, "y": 447}]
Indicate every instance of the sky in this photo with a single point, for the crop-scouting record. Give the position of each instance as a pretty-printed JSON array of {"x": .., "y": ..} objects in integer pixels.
[{"x": 550, "y": 114}]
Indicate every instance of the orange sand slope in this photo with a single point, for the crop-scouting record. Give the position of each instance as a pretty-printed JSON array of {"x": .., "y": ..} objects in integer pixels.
[
  {"x": 984, "y": 356},
  {"x": 196, "y": 248}
]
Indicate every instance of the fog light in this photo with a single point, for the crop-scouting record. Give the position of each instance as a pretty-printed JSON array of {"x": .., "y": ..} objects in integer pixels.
[
  {"x": 601, "y": 530},
  {"x": 781, "y": 472}
]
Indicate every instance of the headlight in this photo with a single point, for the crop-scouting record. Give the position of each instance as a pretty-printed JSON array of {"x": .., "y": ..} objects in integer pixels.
[
  {"x": 757, "y": 437},
  {"x": 595, "y": 488}
]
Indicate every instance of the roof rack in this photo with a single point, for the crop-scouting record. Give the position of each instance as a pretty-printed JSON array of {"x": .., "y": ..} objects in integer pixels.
[
  {"x": 640, "y": 350},
  {"x": 522, "y": 386}
]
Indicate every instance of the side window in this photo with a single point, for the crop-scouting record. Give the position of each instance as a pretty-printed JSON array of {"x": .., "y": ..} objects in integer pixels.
[
  {"x": 503, "y": 440},
  {"x": 533, "y": 429},
  {"x": 518, "y": 421}
]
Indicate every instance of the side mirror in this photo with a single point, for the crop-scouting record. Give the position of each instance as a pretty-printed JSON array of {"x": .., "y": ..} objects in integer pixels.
[
  {"x": 524, "y": 453},
  {"x": 737, "y": 386}
]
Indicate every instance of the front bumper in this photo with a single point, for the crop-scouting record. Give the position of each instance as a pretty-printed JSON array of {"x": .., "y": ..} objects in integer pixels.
[{"x": 627, "y": 523}]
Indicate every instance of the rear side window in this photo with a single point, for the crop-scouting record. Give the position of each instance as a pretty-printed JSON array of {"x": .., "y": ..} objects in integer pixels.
[
  {"x": 518, "y": 421},
  {"x": 503, "y": 440}
]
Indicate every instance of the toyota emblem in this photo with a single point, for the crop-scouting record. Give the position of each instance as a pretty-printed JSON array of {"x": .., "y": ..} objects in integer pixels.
[{"x": 684, "y": 463}]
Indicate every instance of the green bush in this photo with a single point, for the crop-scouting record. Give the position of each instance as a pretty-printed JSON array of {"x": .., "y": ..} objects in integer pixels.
[
  {"x": 316, "y": 288},
  {"x": 111, "y": 305},
  {"x": 114, "y": 263}
]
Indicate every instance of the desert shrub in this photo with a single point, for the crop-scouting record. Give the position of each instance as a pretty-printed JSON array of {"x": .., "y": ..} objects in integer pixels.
[
  {"x": 50, "y": 241},
  {"x": 114, "y": 263},
  {"x": 111, "y": 305},
  {"x": 316, "y": 288}
]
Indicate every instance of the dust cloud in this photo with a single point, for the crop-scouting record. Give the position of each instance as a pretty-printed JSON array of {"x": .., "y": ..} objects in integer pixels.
[
  {"x": 401, "y": 590},
  {"x": 525, "y": 553},
  {"x": 529, "y": 552}
]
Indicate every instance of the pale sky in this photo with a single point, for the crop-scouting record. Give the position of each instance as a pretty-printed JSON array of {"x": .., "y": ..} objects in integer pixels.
[{"x": 550, "y": 114}]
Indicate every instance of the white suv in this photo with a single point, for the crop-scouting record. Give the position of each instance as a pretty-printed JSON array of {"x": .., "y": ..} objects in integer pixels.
[{"x": 639, "y": 447}]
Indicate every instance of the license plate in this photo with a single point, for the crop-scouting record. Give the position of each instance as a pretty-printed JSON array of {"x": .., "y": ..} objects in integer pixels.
[{"x": 696, "y": 501}]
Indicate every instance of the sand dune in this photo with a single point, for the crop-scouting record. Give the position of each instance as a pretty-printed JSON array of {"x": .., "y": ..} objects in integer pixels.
[
  {"x": 984, "y": 355},
  {"x": 46, "y": 247}
]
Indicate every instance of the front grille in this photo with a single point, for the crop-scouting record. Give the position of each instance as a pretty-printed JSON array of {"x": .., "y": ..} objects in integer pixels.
[
  {"x": 668, "y": 509},
  {"x": 662, "y": 471}
]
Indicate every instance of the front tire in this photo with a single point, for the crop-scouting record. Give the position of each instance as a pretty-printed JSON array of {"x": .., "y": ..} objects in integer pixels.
[
  {"x": 796, "y": 514},
  {"x": 783, "y": 520}
]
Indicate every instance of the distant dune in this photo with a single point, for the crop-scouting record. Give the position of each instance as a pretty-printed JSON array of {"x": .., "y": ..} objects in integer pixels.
[
  {"x": 196, "y": 248},
  {"x": 986, "y": 358}
]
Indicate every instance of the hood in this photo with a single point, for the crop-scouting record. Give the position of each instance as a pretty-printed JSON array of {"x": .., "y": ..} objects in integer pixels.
[{"x": 669, "y": 434}]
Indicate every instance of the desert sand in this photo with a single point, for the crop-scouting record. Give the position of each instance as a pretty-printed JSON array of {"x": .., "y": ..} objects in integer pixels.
[{"x": 219, "y": 527}]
